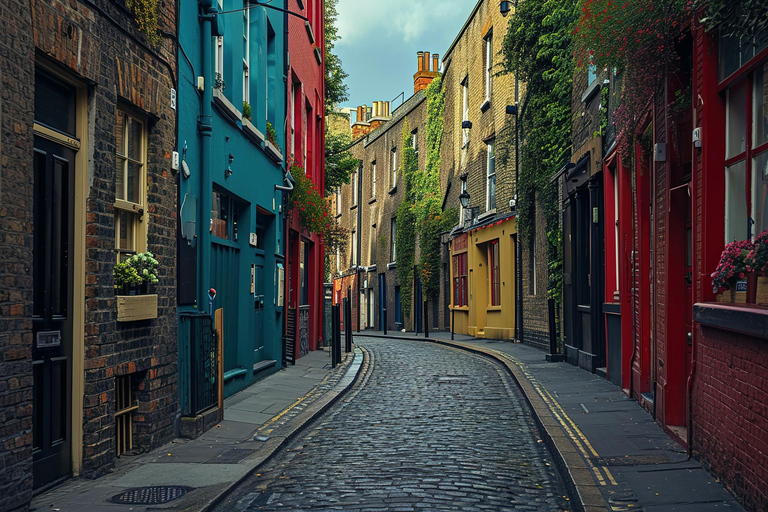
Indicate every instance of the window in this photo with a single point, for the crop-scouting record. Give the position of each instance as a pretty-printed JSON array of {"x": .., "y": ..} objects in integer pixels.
[
  {"x": 392, "y": 240},
  {"x": 490, "y": 190},
  {"x": 246, "y": 50},
  {"x": 488, "y": 65},
  {"x": 373, "y": 179},
  {"x": 297, "y": 121},
  {"x": 746, "y": 152},
  {"x": 224, "y": 216},
  {"x": 272, "y": 94},
  {"x": 465, "y": 110},
  {"x": 130, "y": 185},
  {"x": 218, "y": 62},
  {"x": 304, "y": 273},
  {"x": 354, "y": 249},
  {"x": 394, "y": 167},
  {"x": 415, "y": 140},
  {"x": 532, "y": 253},
  {"x": 338, "y": 200},
  {"x": 125, "y": 405},
  {"x": 460, "y": 280},
  {"x": 737, "y": 50},
  {"x": 355, "y": 182},
  {"x": 338, "y": 260},
  {"x": 493, "y": 273},
  {"x": 462, "y": 210}
]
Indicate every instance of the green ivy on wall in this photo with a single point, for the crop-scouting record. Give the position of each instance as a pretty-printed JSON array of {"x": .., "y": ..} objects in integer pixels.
[{"x": 543, "y": 30}]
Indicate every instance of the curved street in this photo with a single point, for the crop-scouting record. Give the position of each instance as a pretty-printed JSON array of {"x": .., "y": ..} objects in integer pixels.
[{"x": 426, "y": 428}]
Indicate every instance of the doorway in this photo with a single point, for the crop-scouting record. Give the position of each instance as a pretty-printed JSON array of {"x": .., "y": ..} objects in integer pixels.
[{"x": 382, "y": 300}]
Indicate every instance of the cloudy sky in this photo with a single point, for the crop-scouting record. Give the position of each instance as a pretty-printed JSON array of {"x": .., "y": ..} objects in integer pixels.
[{"x": 380, "y": 38}]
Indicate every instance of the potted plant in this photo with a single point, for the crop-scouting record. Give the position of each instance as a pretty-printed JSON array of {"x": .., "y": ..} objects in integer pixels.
[
  {"x": 133, "y": 279},
  {"x": 757, "y": 266},
  {"x": 246, "y": 110},
  {"x": 273, "y": 149},
  {"x": 729, "y": 278}
]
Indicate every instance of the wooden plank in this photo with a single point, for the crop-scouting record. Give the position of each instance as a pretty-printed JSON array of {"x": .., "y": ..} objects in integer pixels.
[
  {"x": 136, "y": 307},
  {"x": 218, "y": 323}
]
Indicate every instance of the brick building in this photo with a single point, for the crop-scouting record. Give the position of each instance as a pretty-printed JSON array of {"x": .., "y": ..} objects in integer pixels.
[
  {"x": 479, "y": 159},
  {"x": 367, "y": 270},
  {"x": 87, "y": 131},
  {"x": 305, "y": 136}
]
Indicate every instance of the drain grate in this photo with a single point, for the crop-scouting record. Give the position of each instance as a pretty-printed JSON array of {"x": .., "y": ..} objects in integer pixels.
[
  {"x": 232, "y": 456},
  {"x": 154, "y": 495}
]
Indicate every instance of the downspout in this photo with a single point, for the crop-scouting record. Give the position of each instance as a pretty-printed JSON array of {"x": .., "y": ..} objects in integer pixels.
[
  {"x": 205, "y": 128},
  {"x": 518, "y": 250},
  {"x": 359, "y": 238},
  {"x": 633, "y": 261},
  {"x": 285, "y": 189}
]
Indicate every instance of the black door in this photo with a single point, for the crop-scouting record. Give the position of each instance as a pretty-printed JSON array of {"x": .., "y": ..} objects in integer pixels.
[{"x": 52, "y": 312}]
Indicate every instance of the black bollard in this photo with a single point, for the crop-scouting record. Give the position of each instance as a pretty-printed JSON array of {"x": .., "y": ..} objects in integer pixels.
[
  {"x": 336, "y": 335},
  {"x": 385, "y": 321},
  {"x": 553, "y": 356},
  {"x": 426, "y": 319},
  {"x": 348, "y": 347}
]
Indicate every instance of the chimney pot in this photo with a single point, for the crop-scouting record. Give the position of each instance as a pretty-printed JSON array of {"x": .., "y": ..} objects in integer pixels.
[
  {"x": 426, "y": 61},
  {"x": 435, "y": 62},
  {"x": 421, "y": 61}
]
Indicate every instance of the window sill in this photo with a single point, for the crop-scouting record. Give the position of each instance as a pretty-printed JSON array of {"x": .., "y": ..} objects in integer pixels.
[
  {"x": 485, "y": 106},
  {"x": 493, "y": 308},
  {"x": 392, "y": 265},
  {"x": 353, "y": 207},
  {"x": 459, "y": 308},
  {"x": 393, "y": 190},
  {"x": 253, "y": 133},
  {"x": 489, "y": 213},
  {"x": 372, "y": 267},
  {"x": 747, "y": 319},
  {"x": 318, "y": 56},
  {"x": 372, "y": 200},
  {"x": 273, "y": 152},
  {"x": 310, "y": 34},
  {"x": 593, "y": 88},
  {"x": 225, "y": 107},
  {"x": 338, "y": 215}
]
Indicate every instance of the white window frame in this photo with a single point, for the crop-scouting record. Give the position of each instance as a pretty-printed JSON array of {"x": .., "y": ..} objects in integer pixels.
[
  {"x": 338, "y": 200},
  {"x": 394, "y": 167},
  {"x": 465, "y": 110},
  {"x": 488, "y": 65},
  {"x": 393, "y": 240},
  {"x": 354, "y": 248},
  {"x": 133, "y": 210},
  {"x": 373, "y": 179},
  {"x": 218, "y": 58},
  {"x": 415, "y": 140},
  {"x": 354, "y": 187},
  {"x": 491, "y": 155}
]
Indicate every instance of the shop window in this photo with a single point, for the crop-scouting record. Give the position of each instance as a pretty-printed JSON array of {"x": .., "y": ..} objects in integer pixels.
[
  {"x": 746, "y": 165},
  {"x": 494, "y": 277},
  {"x": 130, "y": 185},
  {"x": 460, "y": 280}
]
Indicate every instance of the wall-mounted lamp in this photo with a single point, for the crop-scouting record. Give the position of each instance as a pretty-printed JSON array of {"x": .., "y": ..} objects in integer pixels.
[
  {"x": 228, "y": 171},
  {"x": 505, "y": 7},
  {"x": 464, "y": 199}
]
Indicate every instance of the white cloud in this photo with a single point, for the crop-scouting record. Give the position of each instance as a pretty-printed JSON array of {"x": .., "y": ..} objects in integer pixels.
[{"x": 364, "y": 21}]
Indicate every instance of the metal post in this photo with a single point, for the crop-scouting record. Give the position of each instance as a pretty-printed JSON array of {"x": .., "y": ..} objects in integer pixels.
[
  {"x": 453, "y": 319},
  {"x": 348, "y": 332},
  {"x": 385, "y": 321},
  {"x": 553, "y": 356},
  {"x": 426, "y": 319},
  {"x": 336, "y": 334}
]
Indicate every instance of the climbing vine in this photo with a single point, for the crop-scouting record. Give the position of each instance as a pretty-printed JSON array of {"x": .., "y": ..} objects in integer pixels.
[
  {"x": 538, "y": 48},
  {"x": 147, "y": 18},
  {"x": 405, "y": 234}
]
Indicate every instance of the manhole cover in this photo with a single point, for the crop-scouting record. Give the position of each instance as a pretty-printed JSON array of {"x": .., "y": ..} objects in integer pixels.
[
  {"x": 232, "y": 456},
  {"x": 154, "y": 495}
]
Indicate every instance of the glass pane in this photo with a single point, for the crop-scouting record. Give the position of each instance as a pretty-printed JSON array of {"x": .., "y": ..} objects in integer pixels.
[
  {"x": 734, "y": 52},
  {"x": 125, "y": 240},
  {"x": 760, "y": 192},
  {"x": 133, "y": 176},
  {"x": 120, "y": 134},
  {"x": 761, "y": 106},
  {"x": 735, "y": 203},
  {"x": 134, "y": 139},
  {"x": 492, "y": 192},
  {"x": 120, "y": 178},
  {"x": 54, "y": 103},
  {"x": 736, "y": 121}
]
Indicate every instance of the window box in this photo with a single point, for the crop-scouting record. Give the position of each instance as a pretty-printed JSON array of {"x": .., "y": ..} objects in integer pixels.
[
  {"x": 253, "y": 133},
  {"x": 273, "y": 152},
  {"x": 225, "y": 107},
  {"x": 131, "y": 308}
]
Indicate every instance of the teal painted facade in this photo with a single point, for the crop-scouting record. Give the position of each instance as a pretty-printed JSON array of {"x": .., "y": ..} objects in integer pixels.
[{"x": 230, "y": 195}]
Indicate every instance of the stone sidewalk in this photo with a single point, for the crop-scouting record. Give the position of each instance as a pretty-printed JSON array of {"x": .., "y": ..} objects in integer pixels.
[
  {"x": 258, "y": 421},
  {"x": 616, "y": 457}
]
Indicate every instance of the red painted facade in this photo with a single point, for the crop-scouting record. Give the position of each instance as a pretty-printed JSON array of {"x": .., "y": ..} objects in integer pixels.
[
  {"x": 697, "y": 366},
  {"x": 305, "y": 141}
]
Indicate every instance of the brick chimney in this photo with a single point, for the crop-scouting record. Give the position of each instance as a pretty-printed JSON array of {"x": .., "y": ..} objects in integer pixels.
[
  {"x": 368, "y": 119},
  {"x": 425, "y": 74}
]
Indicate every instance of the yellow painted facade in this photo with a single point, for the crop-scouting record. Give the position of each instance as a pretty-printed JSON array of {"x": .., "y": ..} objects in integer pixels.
[{"x": 480, "y": 318}]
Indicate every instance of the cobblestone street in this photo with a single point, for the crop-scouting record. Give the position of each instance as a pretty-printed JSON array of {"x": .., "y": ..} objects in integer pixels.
[{"x": 427, "y": 428}]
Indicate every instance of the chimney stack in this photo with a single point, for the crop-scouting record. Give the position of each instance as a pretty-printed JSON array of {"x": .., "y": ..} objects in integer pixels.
[{"x": 425, "y": 75}]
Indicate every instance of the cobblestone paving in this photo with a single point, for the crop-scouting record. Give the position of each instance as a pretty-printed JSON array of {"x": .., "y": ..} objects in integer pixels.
[{"x": 429, "y": 428}]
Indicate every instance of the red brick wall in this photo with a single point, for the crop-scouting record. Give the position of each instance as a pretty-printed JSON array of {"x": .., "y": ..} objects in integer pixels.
[{"x": 730, "y": 412}]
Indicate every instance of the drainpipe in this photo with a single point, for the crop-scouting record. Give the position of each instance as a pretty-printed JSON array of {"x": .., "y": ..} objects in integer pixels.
[
  {"x": 518, "y": 249},
  {"x": 204, "y": 127}
]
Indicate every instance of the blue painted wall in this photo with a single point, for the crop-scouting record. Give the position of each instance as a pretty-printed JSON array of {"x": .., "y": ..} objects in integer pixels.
[{"x": 213, "y": 139}]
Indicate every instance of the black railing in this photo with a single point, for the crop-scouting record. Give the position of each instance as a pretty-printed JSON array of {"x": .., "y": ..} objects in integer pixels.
[{"x": 198, "y": 364}]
